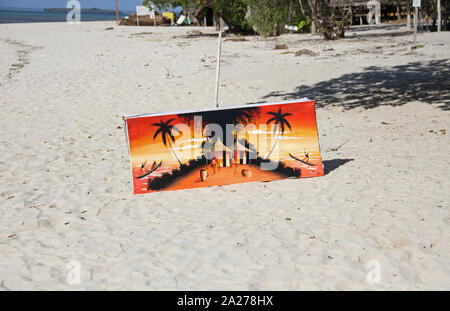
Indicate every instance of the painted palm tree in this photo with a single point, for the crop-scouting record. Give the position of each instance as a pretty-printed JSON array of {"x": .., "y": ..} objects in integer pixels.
[
  {"x": 189, "y": 118},
  {"x": 166, "y": 131},
  {"x": 280, "y": 121}
]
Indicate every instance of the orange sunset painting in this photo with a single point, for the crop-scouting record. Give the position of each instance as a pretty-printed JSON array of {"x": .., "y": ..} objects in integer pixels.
[{"x": 260, "y": 142}]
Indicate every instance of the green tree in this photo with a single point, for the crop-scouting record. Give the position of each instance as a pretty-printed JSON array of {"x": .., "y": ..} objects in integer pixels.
[
  {"x": 279, "y": 120},
  {"x": 232, "y": 11},
  {"x": 166, "y": 130},
  {"x": 268, "y": 17},
  {"x": 330, "y": 16}
]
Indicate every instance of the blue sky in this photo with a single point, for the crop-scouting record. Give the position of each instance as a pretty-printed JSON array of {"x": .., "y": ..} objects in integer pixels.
[{"x": 101, "y": 4}]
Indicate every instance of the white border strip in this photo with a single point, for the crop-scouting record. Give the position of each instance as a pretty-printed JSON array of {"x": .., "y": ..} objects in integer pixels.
[{"x": 125, "y": 116}]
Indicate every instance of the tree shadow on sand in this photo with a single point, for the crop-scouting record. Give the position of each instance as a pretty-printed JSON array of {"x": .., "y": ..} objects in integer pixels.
[
  {"x": 427, "y": 82},
  {"x": 386, "y": 27}
]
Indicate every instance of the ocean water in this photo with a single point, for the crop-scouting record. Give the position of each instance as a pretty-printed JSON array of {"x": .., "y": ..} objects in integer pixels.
[{"x": 7, "y": 17}]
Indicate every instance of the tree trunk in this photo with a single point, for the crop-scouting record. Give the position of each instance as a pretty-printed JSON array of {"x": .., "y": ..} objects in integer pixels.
[
  {"x": 173, "y": 151},
  {"x": 312, "y": 6},
  {"x": 312, "y": 16},
  {"x": 313, "y": 27},
  {"x": 215, "y": 20},
  {"x": 398, "y": 12},
  {"x": 278, "y": 138}
]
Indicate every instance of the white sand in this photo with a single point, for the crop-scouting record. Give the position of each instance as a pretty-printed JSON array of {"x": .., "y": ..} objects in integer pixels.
[{"x": 63, "y": 159}]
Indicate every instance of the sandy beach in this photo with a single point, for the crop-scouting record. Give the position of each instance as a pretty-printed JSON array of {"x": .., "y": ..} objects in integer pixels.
[{"x": 66, "y": 195}]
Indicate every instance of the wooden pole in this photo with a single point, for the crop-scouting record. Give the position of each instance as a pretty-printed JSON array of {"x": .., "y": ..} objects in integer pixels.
[
  {"x": 154, "y": 15},
  {"x": 117, "y": 11},
  {"x": 421, "y": 21},
  {"x": 416, "y": 12},
  {"x": 408, "y": 11},
  {"x": 219, "y": 52},
  {"x": 439, "y": 16}
]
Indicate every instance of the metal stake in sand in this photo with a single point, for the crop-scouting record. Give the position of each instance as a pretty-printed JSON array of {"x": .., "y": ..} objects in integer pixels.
[
  {"x": 416, "y": 12},
  {"x": 117, "y": 11},
  {"x": 439, "y": 15},
  {"x": 219, "y": 52}
]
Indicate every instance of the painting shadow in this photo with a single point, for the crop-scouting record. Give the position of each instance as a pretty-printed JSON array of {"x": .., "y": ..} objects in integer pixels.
[{"x": 331, "y": 165}]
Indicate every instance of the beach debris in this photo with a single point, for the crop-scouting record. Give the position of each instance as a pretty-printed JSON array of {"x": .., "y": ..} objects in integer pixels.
[
  {"x": 194, "y": 33},
  {"x": 443, "y": 131},
  {"x": 110, "y": 28},
  {"x": 237, "y": 39},
  {"x": 417, "y": 47},
  {"x": 338, "y": 147},
  {"x": 384, "y": 123},
  {"x": 23, "y": 51},
  {"x": 288, "y": 219},
  {"x": 305, "y": 52},
  {"x": 141, "y": 33},
  {"x": 13, "y": 196},
  {"x": 144, "y": 21},
  {"x": 66, "y": 223},
  {"x": 280, "y": 46},
  {"x": 12, "y": 235}
]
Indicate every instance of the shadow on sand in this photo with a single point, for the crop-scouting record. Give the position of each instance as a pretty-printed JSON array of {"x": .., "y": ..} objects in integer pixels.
[
  {"x": 331, "y": 165},
  {"x": 393, "y": 30},
  {"x": 386, "y": 27},
  {"x": 428, "y": 82}
]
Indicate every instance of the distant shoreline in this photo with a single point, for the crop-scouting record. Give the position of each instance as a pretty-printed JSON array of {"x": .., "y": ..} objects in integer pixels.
[
  {"x": 15, "y": 17},
  {"x": 93, "y": 10}
]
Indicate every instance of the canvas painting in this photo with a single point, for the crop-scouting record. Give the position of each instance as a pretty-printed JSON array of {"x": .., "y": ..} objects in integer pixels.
[{"x": 192, "y": 149}]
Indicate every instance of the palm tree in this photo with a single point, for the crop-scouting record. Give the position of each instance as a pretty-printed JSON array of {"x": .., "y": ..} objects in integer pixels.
[
  {"x": 280, "y": 121},
  {"x": 165, "y": 130},
  {"x": 189, "y": 118}
]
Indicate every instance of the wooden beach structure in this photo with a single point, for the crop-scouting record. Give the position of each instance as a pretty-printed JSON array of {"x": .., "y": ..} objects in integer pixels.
[{"x": 372, "y": 11}]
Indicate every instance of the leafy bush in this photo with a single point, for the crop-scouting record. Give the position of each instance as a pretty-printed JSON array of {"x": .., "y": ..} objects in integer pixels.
[
  {"x": 232, "y": 11},
  {"x": 268, "y": 17},
  {"x": 304, "y": 25}
]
